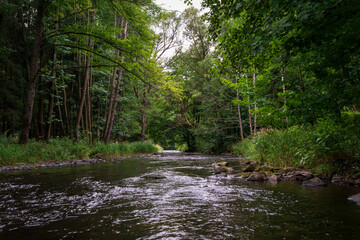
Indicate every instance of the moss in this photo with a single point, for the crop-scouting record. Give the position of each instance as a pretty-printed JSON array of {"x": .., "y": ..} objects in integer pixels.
[
  {"x": 222, "y": 164},
  {"x": 243, "y": 175},
  {"x": 250, "y": 168},
  {"x": 227, "y": 169}
]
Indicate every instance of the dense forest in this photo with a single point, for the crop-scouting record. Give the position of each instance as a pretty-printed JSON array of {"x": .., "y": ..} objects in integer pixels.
[{"x": 278, "y": 81}]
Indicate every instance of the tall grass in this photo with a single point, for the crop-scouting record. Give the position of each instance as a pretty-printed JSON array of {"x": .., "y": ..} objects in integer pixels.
[
  {"x": 327, "y": 146},
  {"x": 12, "y": 153}
]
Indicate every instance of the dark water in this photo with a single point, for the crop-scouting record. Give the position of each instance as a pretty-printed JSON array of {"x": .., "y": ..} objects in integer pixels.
[{"x": 112, "y": 201}]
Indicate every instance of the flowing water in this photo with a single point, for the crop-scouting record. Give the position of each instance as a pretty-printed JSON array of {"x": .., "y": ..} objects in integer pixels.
[{"x": 112, "y": 201}]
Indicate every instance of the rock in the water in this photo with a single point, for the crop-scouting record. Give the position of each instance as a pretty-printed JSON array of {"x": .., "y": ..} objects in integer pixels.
[
  {"x": 355, "y": 198},
  {"x": 220, "y": 164},
  {"x": 314, "y": 182},
  {"x": 337, "y": 179},
  {"x": 271, "y": 177},
  {"x": 227, "y": 169},
  {"x": 243, "y": 175},
  {"x": 218, "y": 167},
  {"x": 357, "y": 183},
  {"x": 250, "y": 168},
  {"x": 224, "y": 174},
  {"x": 246, "y": 162},
  {"x": 257, "y": 177},
  {"x": 153, "y": 177},
  {"x": 298, "y": 176}
]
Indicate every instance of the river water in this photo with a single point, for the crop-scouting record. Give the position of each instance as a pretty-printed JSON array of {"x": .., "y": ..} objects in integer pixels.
[{"x": 112, "y": 201}]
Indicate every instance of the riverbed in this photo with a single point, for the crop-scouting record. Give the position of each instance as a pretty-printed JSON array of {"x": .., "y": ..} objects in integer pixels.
[{"x": 112, "y": 200}]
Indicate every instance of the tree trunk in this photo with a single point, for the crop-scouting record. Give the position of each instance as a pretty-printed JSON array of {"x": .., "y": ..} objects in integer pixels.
[
  {"x": 249, "y": 108},
  {"x": 82, "y": 100},
  {"x": 301, "y": 80},
  {"x": 143, "y": 126},
  {"x": 113, "y": 110},
  {"x": 85, "y": 86},
  {"x": 239, "y": 114},
  {"x": 66, "y": 110},
  {"x": 111, "y": 100},
  {"x": 255, "y": 107},
  {"x": 51, "y": 105},
  {"x": 33, "y": 69},
  {"x": 283, "y": 88},
  {"x": 111, "y": 87}
]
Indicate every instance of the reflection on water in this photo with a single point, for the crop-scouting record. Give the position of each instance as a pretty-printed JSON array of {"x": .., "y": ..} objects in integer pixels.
[{"x": 112, "y": 200}]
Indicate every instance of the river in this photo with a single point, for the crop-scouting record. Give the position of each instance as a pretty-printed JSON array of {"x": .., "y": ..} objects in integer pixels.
[{"x": 112, "y": 201}]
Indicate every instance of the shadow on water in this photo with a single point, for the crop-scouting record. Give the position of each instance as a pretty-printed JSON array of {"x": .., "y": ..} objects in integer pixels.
[{"x": 114, "y": 201}]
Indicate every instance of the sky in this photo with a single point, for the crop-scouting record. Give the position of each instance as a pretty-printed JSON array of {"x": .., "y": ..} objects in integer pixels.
[{"x": 178, "y": 5}]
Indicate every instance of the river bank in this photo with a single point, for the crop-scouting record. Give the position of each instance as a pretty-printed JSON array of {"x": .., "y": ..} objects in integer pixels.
[
  {"x": 65, "y": 152},
  {"x": 250, "y": 171},
  {"x": 71, "y": 163}
]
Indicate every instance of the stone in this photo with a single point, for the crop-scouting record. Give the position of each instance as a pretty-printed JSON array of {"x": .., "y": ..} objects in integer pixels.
[
  {"x": 220, "y": 164},
  {"x": 314, "y": 182},
  {"x": 250, "y": 168},
  {"x": 357, "y": 182},
  {"x": 297, "y": 176},
  {"x": 337, "y": 179},
  {"x": 218, "y": 167},
  {"x": 227, "y": 169},
  {"x": 246, "y": 162},
  {"x": 153, "y": 177},
  {"x": 243, "y": 175},
  {"x": 355, "y": 198},
  {"x": 271, "y": 177},
  {"x": 257, "y": 177}
]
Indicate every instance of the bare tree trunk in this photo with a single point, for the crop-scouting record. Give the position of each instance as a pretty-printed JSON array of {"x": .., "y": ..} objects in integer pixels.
[
  {"x": 239, "y": 114},
  {"x": 85, "y": 86},
  {"x": 283, "y": 88},
  {"x": 144, "y": 114},
  {"x": 66, "y": 110},
  {"x": 301, "y": 80},
  {"x": 51, "y": 105},
  {"x": 111, "y": 87},
  {"x": 32, "y": 73},
  {"x": 89, "y": 102},
  {"x": 255, "y": 107},
  {"x": 82, "y": 100},
  {"x": 51, "y": 110},
  {"x": 143, "y": 126},
  {"x": 113, "y": 110},
  {"x": 40, "y": 117},
  {"x": 249, "y": 108}
]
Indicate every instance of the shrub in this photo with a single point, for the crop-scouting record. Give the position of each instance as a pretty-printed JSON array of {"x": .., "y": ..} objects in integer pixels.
[
  {"x": 57, "y": 149},
  {"x": 142, "y": 147},
  {"x": 327, "y": 147}
]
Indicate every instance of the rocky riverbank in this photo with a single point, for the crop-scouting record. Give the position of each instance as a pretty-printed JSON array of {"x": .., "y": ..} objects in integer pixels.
[{"x": 252, "y": 172}]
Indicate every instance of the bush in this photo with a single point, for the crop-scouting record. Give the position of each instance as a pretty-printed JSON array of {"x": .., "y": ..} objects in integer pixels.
[
  {"x": 142, "y": 147},
  {"x": 57, "y": 149},
  {"x": 327, "y": 147}
]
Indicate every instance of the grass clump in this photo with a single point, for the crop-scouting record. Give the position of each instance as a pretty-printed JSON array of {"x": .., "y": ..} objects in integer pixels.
[
  {"x": 327, "y": 147},
  {"x": 12, "y": 153},
  {"x": 142, "y": 147}
]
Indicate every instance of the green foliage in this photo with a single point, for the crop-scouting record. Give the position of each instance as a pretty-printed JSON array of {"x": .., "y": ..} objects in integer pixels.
[
  {"x": 142, "y": 147},
  {"x": 327, "y": 147},
  {"x": 11, "y": 153}
]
